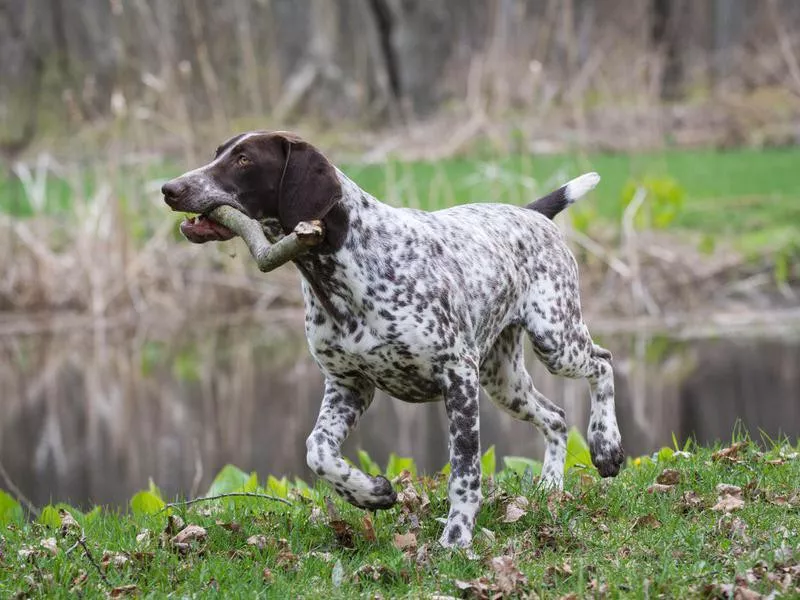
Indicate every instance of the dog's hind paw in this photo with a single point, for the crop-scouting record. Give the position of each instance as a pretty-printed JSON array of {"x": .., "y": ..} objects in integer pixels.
[{"x": 382, "y": 495}]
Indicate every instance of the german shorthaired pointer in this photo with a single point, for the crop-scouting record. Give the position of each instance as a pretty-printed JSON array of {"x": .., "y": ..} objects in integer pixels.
[{"x": 425, "y": 306}]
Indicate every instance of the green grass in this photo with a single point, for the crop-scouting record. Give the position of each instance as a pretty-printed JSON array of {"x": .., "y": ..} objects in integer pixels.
[
  {"x": 748, "y": 198},
  {"x": 610, "y": 534}
]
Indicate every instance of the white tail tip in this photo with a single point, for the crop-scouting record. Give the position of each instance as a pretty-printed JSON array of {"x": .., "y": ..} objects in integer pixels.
[{"x": 581, "y": 185}]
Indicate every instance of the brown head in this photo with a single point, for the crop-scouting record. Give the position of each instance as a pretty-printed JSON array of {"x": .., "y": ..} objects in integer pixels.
[{"x": 266, "y": 175}]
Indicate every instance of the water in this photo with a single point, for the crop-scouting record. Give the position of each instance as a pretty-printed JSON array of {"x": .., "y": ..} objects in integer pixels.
[{"x": 89, "y": 416}]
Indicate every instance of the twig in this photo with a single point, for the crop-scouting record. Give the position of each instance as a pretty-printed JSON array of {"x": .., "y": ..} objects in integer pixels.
[
  {"x": 82, "y": 543},
  {"x": 17, "y": 492},
  {"x": 220, "y": 496}
]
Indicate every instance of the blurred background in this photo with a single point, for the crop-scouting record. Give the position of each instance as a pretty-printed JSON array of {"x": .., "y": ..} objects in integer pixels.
[{"x": 128, "y": 353}]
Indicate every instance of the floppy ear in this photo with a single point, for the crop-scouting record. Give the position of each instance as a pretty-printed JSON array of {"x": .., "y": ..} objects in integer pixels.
[{"x": 308, "y": 190}]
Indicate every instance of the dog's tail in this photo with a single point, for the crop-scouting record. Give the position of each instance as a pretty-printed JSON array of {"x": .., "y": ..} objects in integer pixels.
[{"x": 558, "y": 200}]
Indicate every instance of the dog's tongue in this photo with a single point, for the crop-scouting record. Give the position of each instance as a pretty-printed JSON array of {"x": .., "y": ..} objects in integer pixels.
[{"x": 202, "y": 229}]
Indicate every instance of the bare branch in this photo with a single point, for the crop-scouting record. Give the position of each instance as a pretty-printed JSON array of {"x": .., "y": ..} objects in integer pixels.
[{"x": 220, "y": 496}]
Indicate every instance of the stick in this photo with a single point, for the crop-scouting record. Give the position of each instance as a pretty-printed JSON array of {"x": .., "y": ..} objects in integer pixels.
[
  {"x": 231, "y": 495},
  {"x": 82, "y": 543},
  {"x": 17, "y": 492},
  {"x": 306, "y": 235}
]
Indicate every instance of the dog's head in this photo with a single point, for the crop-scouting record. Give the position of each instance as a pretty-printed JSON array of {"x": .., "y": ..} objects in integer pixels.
[{"x": 266, "y": 175}]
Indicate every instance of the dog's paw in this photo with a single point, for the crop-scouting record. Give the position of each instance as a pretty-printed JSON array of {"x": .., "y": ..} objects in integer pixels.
[
  {"x": 382, "y": 495},
  {"x": 607, "y": 455},
  {"x": 456, "y": 535}
]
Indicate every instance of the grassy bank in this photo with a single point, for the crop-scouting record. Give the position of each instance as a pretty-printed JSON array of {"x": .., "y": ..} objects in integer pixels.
[{"x": 701, "y": 523}]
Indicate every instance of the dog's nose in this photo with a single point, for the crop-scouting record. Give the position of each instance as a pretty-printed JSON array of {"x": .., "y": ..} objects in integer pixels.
[{"x": 171, "y": 190}]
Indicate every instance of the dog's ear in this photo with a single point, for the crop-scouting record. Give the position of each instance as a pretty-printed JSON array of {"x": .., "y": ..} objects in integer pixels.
[{"x": 309, "y": 190}]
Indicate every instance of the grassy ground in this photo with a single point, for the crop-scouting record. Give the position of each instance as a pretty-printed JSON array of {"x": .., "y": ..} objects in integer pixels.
[
  {"x": 686, "y": 537},
  {"x": 750, "y": 196}
]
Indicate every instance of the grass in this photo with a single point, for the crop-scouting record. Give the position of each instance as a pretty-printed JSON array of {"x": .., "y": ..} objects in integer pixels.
[
  {"x": 604, "y": 536},
  {"x": 750, "y": 196}
]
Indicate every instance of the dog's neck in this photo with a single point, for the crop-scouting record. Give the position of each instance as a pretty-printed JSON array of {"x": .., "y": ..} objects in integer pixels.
[{"x": 330, "y": 275}]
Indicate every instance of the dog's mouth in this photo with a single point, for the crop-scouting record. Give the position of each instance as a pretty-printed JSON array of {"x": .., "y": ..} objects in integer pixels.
[{"x": 202, "y": 228}]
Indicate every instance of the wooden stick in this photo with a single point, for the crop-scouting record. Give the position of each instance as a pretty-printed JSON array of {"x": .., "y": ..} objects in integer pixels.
[
  {"x": 221, "y": 496},
  {"x": 306, "y": 235}
]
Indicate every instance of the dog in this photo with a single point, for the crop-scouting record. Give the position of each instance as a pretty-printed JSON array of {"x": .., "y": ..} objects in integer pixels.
[{"x": 422, "y": 305}]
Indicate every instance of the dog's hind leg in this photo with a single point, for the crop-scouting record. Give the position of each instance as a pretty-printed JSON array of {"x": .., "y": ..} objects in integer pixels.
[
  {"x": 508, "y": 384},
  {"x": 565, "y": 348},
  {"x": 342, "y": 406},
  {"x": 464, "y": 487}
]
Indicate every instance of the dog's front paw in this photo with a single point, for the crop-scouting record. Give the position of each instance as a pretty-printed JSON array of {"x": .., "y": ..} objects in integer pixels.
[
  {"x": 380, "y": 497},
  {"x": 607, "y": 455},
  {"x": 456, "y": 535}
]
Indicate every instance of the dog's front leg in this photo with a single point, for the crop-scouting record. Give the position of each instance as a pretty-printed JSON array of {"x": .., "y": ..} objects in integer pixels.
[
  {"x": 464, "y": 489},
  {"x": 342, "y": 406}
]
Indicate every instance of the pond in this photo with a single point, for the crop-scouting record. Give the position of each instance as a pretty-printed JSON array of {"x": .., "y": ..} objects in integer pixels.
[{"x": 89, "y": 416}]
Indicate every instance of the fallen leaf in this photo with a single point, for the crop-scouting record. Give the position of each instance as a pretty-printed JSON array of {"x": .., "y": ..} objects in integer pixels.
[
  {"x": 727, "y": 488},
  {"x": 174, "y": 525},
  {"x": 50, "y": 545},
  {"x": 316, "y": 515},
  {"x": 343, "y": 533},
  {"x": 727, "y": 503},
  {"x": 286, "y": 558},
  {"x": 507, "y": 576},
  {"x": 143, "y": 538},
  {"x": 690, "y": 501},
  {"x": 648, "y": 521},
  {"x": 669, "y": 477},
  {"x": 266, "y": 575},
  {"x": 729, "y": 453},
  {"x": 660, "y": 488},
  {"x": 124, "y": 590},
  {"x": 259, "y": 541},
  {"x": 369, "y": 529},
  {"x": 190, "y": 533},
  {"x": 333, "y": 512},
  {"x": 405, "y": 541},
  {"x": 113, "y": 559},
  {"x": 68, "y": 522},
  {"x": 477, "y": 589},
  {"x": 26, "y": 552},
  {"x": 233, "y": 526},
  {"x": 516, "y": 509}
]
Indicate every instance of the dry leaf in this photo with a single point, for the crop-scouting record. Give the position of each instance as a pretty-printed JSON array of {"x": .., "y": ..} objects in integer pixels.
[
  {"x": 113, "y": 559},
  {"x": 727, "y": 488},
  {"x": 477, "y": 589},
  {"x": 690, "y": 500},
  {"x": 50, "y": 545},
  {"x": 190, "y": 533},
  {"x": 124, "y": 590},
  {"x": 669, "y": 477},
  {"x": 516, "y": 509},
  {"x": 730, "y": 453},
  {"x": 727, "y": 503},
  {"x": 266, "y": 575},
  {"x": 369, "y": 529},
  {"x": 316, "y": 515},
  {"x": 507, "y": 576},
  {"x": 143, "y": 538},
  {"x": 343, "y": 533},
  {"x": 174, "y": 525},
  {"x": 259, "y": 541},
  {"x": 648, "y": 521},
  {"x": 660, "y": 488},
  {"x": 233, "y": 526},
  {"x": 68, "y": 522},
  {"x": 405, "y": 541}
]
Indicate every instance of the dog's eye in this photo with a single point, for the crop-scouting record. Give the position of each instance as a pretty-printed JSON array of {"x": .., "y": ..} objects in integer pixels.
[{"x": 242, "y": 160}]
